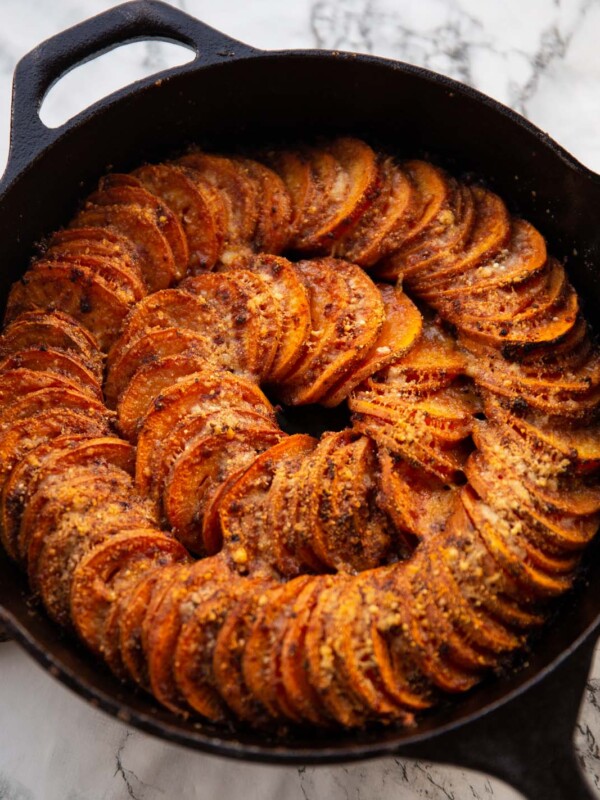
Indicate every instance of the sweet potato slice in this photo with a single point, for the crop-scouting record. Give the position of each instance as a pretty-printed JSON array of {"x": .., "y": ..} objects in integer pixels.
[
  {"x": 229, "y": 651},
  {"x": 498, "y": 536},
  {"x": 54, "y": 329},
  {"x": 446, "y": 465},
  {"x": 383, "y": 223},
  {"x": 49, "y": 359},
  {"x": 300, "y": 696},
  {"x": 142, "y": 228},
  {"x": 547, "y": 473},
  {"x": 417, "y": 502},
  {"x": 400, "y": 680},
  {"x": 238, "y": 192},
  {"x": 241, "y": 310},
  {"x": 457, "y": 651},
  {"x": 18, "y": 382},
  {"x": 423, "y": 631},
  {"x": 347, "y": 315},
  {"x": 346, "y": 530},
  {"x": 293, "y": 167},
  {"x": 522, "y": 255},
  {"x": 26, "y": 434},
  {"x": 342, "y": 704},
  {"x": 291, "y": 298},
  {"x": 490, "y": 232},
  {"x": 75, "y": 535},
  {"x": 106, "y": 568},
  {"x": 19, "y": 486},
  {"x": 201, "y": 394},
  {"x": 581, "y": 445},
  {"x": 260, "y": 662},
  {"x": 25, "y": 477},
  {"x": 401, "y": 328},
  {"x": 431, "y": 364},
  {"x": 538, "y": 326},
  {"x": 77, "y": 243},
  {"x": 446, "y": 234},
  {"x": 284, "y": 506},
  {"x": 466, "y": 614},
  {"x": 227, "y": 422},
  {"x": 413, "y": 439},
  {"x": 114, "y": 191},
  {"x": 325, "y": 176},
  {"x": 211, "y": 305},
  {"x": 177, "y": 606},
  {"x": 398, "y": 670},
  {"x": 345, "y": 176},
  {"x": 510, "y": 379},
  {"x": 49, "y": 400},
  {"x": 198, "y": 472},
  {"x": 94, "y": 242},
  {"x": 147, "y": 383},
  {"x": 74, "y": 290},
  {"x": 296, "y": 499},
  {"x": 191, "y": 203},
  {"x": 518, "y": 300},
  {"x": 169, "y": 308},
  {"x": 444, "y": 418},
  {"x": 129, "y": 613},
  {"x": 481, "y": 579},
  {"x": 553, "y": 536},
  {"x": 356, "y": 655},
  {"x": 59, "y": 495},
  {"x": 155, "y": 345},
  {"x": 502, "y": 304},
  {"x": 243, "y": 508},
  {"x": 429, "y": 198},
  {"x": 542, "y": 469},
  {"x": 117, "y": 274},
  {"x": 193, "y": 657},
  {"x": 274, "y": 208}
]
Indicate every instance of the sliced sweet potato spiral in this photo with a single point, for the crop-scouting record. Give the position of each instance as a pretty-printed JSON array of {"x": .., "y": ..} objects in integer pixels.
[{"x": 353, "y": 578}]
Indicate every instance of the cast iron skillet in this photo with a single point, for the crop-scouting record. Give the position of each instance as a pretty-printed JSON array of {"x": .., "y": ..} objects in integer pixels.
[{"x": 518, "y": 728}]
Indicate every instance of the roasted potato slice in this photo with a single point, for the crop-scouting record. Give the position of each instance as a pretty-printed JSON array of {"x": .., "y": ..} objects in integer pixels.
[
  {"x": 241, "y": 311},
  {"x": 291, "y": 298},
  {"x": 347, "y": 315},
  {"x": 101, "y": 574},
  {"x": 198, "y": 473},
  {"x": 243, "y": 508},
  {"x": 142, "y": 228},
  {"x": 193, "y": 204},
  {"x": 238, "y": 192},
  {"x": 201, "y": 394},
  {"x": 401, "y": 329},
  {"x": 125, "y": 190},
  {"x": 229, "y": 652},
  {"x": 196, "y": 586},
  {"x": 54, "y": 329},
  {"x": 193, "y": 657},
  {"x": 384, "y": 223},
  {"x": 74, "y": 290},
  {"x": 49, "y": 359}
]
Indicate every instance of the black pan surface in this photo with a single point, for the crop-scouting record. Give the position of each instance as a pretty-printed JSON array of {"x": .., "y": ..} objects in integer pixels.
[{"x": 232, "y": 96}]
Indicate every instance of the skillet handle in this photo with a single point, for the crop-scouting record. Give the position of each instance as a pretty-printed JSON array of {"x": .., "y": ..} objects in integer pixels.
[
  {"x": 528, "y": 741},
  {"x": 36, "y": 72},
  {"x": 4, "y": 635}
]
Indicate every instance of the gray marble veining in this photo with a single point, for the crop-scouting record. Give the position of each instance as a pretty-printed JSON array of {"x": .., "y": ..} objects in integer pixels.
[{"x": 539, "y": 56}]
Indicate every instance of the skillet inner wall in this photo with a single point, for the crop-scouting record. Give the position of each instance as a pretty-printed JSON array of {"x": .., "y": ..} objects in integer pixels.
[{"x": 272, "y": 98}]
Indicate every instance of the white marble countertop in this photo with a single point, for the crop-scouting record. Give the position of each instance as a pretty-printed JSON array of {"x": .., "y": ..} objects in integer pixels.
[{"x": 539, "y": 56}]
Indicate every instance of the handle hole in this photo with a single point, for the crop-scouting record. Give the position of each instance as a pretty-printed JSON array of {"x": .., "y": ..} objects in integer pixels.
[{"x": 89, "y": 82}]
